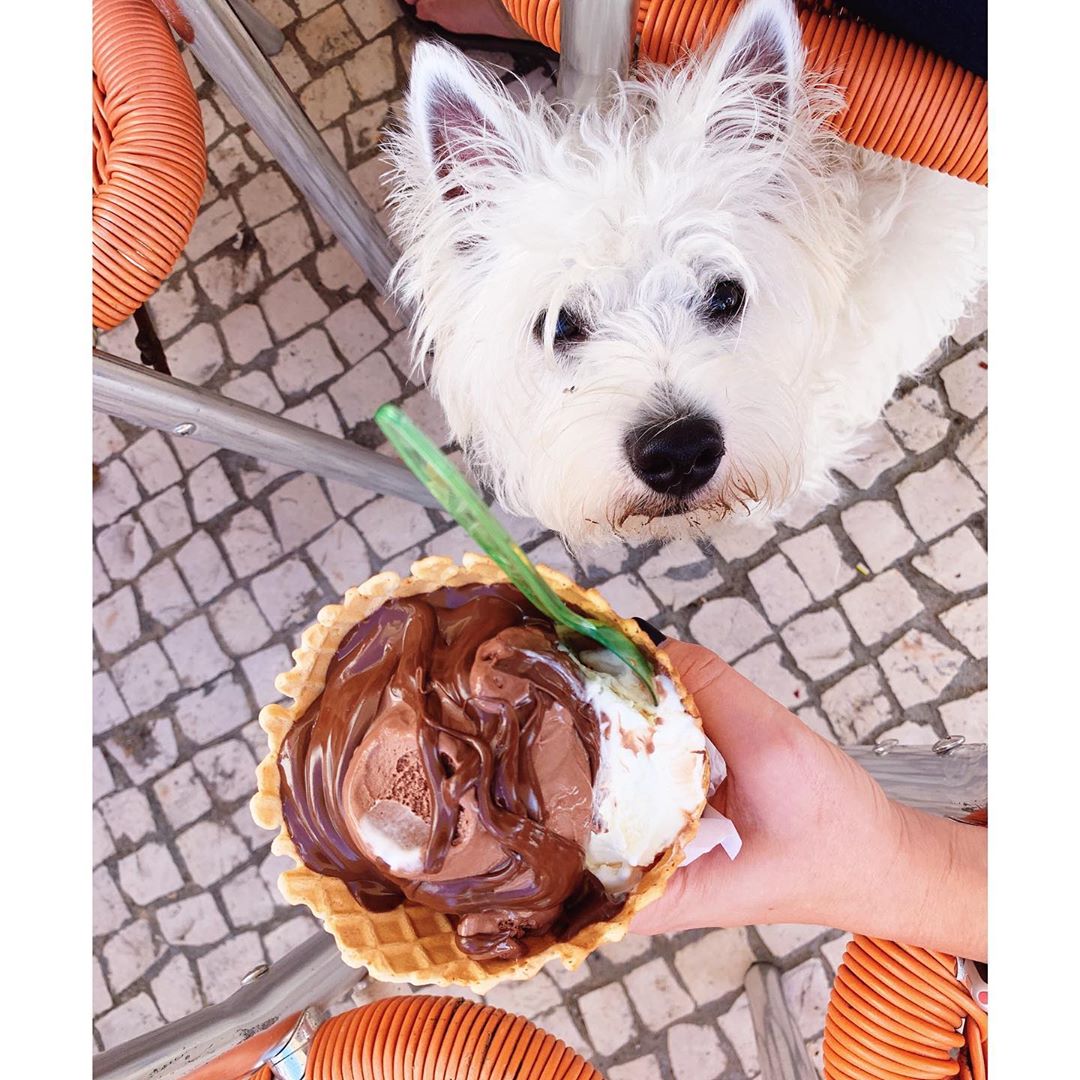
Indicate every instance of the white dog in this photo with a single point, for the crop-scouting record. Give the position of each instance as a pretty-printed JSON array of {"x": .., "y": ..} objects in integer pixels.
[{"x": 680, "y": 305}]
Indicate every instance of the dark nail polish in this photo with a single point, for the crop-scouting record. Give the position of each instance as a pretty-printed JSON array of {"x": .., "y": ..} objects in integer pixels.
[{"x": 657, "y": 637}]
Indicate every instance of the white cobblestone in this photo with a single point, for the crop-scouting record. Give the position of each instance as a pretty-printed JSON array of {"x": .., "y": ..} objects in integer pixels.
[
  {"x": 958, "y": 562},
  {"x": 919, "y": 667},
  {"x": 715, "y": 965},
  {"x": 239, "y": 623},
  {"x": 109, "y": 910},
  {"x": 918, "y": 418},
  {"x": 341, "y": 555},
  {"x": 102, "y": 999},
  {"x": 526, "y": 998},
  {"x": 819, "y": 561},
  {"x": 221, "y": 969},
  {"x": 807, "y": 991},
  {"x": 362, "y": 389},
  {"x": 135, "y": 1017},
  {"x": 194, "y": 652},
  {"x": 128, "y": 815},
  {"x": 250, "y": 542},
  {"x": 262, "y": 668},
  {"x": 695, "y": 1052},
  {"x": 939, "y": 499},
  {"x": 102, "y": 846},
  {"x": 372, "y": 17},
  {"x": 967, "y": 717},
  {"x": 197, "y": 355},
  {"x": 878, "y": 452},
  {"x": 215, "y": 225},
  {"x": 765, "y": 669},
  {"x": 291, "y": 304},
  {"x": 780, "y": 589},
  {"x": 972, "y": 451},
  {"x": 609, "y": 1021},
  {"x": 175, "y": 989},
  {"x": 680, "y": 573},
  {"x": 642, "y": 1068},
  {"x": 629, "y": 598},
  {"x": 300, "y": 511},
  {"x": 371, "y": 71},
  {"x": 116, "y": 620},
  {"x": 102, "y": 584},
  {"x": 127, "y": 954},
  {"x": 857, "y": 704},
  {"x": 213, "y": 710},
  {"x": 881, "y": 605},
  {"x": 286, "y": 594},
  {"x": 390, "y": 524},
  {"x": 738, "y": 1027},
  {"x": 115, "y": 493},
  {"x": 784, "y": 938},
  {"x": 264, "y": 197},
  {"x": 211, "y": 492},
  {"x": 729, "y": 626},
  {"x": 965, "y": 383},
  {"x": 561, "y": 1024},
  {"x": 103, "y": 781},
  {"x": 306, "y": 363},
  {"x": 356, "y": 331},
  {"x": 124, "y": 549},
  {"x": 203, "y": 568},
  {"x": 967, "y": 623},
  {"x": 149, "y": 873},
  {"x": 833, "y": 951},
  {"x": 246, "y": 335},
  {"x": 879, "y": 533},
  {"x": 285, "y": 240},
  {"x": 255, "y": 389},
  {"x": 246, "y": 899},
  {"x": 817, "y": 723},
  {"x": 286, "y": 937},
  {"x": 656, "y": 995},
  {"x": 228, "y": 769},
  {"x": 109, "y": 709},
  {"x": 191, "y": 922},
  {"x": 820, "y": 642},
  {"x": 181, "y": 795},
  {"x": 327, "y": 36},
  {"x": 317, "y": 413},
  {"x": 210, "y": 851},
  {"x": 144, "y": 677},
  {"x": 166, "y": 517},
  {"x": 163, "y": 594}
]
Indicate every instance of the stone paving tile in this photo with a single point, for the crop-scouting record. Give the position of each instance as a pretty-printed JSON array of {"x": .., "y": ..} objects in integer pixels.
[{"x": 868, "y": 616}]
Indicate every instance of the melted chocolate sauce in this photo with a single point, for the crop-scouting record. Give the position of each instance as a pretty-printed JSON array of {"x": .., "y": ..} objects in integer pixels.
[{"x": 428, "y": 655}]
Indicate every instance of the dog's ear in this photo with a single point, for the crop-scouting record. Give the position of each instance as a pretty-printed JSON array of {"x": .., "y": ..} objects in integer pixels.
[
  {"x": 460, "y": 118},
  {"x": 763, "y": 46}
]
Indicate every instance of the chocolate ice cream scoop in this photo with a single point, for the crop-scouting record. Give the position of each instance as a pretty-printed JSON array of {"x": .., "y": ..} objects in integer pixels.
[{"x": 450, "y": 759}]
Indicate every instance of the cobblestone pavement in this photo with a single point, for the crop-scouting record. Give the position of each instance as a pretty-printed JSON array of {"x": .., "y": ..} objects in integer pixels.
[{"x": 868, "y": 617}]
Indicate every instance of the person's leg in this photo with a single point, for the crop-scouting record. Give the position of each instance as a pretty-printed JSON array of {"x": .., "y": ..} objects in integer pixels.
[{"x": 484, "y": 17}]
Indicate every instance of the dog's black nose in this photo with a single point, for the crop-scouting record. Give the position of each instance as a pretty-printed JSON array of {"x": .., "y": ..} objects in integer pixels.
[{"x": 676, "y": 457}]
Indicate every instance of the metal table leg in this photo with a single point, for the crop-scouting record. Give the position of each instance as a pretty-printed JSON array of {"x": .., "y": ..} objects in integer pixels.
[
  {"x": 233, "y": 60},
  {"x": 144, "y": 397},
  {"x": 596, "y": 38},
  {"x": 267, "y": 36},
  {"x": 782, "y": 1053}
]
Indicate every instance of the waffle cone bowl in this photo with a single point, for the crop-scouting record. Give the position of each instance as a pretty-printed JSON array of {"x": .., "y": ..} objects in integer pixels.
[{"x": 413, "y": 943}]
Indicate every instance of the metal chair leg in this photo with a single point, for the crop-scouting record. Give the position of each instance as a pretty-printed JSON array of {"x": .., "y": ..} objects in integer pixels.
[
  {"x": 782, "y": 1053},
  {"x": 232, "y": 59},
  {"x": 267, "y": 36},
  {"x": 143, "y": 397},
  {"x": 596, "y": 40}
]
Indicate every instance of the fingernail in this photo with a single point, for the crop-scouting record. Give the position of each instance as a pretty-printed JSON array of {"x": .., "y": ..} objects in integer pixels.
[{"x": 655, "y": 636}]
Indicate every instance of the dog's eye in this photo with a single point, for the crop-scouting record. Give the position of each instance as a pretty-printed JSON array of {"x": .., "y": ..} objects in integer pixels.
[
  {"x": 724, "y": 301},
  {"x": 569, "y": 329}
]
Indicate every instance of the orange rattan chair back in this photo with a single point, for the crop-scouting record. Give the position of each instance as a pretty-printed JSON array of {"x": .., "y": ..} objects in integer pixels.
[
  {"x": 149, "y": 157},
  {"x": 900, "y": 99},
  {"x": 437, "y": 1038}
]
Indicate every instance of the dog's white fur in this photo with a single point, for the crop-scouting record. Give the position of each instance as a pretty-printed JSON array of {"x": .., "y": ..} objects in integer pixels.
[{"x": 855, "y": 267}]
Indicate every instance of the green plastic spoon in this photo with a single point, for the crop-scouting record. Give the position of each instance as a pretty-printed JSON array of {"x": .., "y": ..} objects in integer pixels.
[{"x": 438, "y": 474}]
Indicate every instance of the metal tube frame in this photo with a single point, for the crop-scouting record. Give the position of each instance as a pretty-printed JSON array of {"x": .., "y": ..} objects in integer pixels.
[
  {"x": 597, "y": 40},
  {"x": 265, "y": 34},
  {"x": 782, "y": 1054}
]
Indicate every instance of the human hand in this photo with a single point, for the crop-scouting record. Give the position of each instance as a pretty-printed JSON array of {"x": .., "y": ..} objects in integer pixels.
[{"x": 821, "y": 842}]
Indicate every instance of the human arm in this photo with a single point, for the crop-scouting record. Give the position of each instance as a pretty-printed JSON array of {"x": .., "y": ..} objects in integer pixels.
[{"x": 822, "y": 844}]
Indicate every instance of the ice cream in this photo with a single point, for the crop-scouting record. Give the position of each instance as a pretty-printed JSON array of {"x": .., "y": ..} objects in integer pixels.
[{"x": 461, "y": 755}]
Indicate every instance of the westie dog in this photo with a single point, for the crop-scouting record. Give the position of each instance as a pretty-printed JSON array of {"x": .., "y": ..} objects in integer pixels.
[{"x": 680, "y": 305}]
